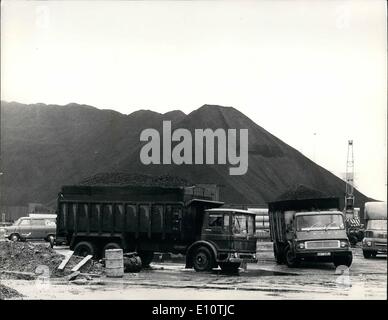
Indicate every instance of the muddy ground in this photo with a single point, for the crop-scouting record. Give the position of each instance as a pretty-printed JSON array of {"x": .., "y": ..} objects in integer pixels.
[{"x": 366, "y": 279}]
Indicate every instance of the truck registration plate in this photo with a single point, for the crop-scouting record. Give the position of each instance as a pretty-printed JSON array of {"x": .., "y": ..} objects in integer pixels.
[{"x": 323, "y": 254}]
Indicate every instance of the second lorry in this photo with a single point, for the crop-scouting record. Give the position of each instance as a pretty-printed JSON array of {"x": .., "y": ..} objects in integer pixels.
[{"x": 309, "y": 229}]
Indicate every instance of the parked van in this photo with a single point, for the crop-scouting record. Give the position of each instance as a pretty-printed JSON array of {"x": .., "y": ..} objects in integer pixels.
[{"x": 32, "y": 228}]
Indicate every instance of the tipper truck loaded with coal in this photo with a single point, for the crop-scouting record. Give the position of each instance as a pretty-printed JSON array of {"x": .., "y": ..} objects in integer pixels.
[
  {"x": 91, "y": 219},
  {"x": 309, "y": 229},
  {"x": 375, "y": 241}
]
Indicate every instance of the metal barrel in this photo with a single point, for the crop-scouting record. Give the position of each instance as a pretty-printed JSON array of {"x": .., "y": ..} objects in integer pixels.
[{"x": 114, "y": 263}]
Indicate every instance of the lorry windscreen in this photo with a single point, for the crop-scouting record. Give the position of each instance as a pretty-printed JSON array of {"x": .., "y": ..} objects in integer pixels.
[
  {"x": 243, "y": 224},
  {"x": 320, "y": 222},
  {"x": 377, "y": 225}
]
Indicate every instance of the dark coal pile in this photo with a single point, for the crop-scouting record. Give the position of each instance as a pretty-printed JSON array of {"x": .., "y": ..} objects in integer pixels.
[
  {"x": 8, "y": 293},
  {"x": 26, "y": 257},
  {"x": 301, "y": 193},
  {"x": 134, "y": 179}
]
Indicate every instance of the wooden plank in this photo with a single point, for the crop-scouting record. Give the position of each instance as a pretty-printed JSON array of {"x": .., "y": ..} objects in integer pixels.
[
  {"x": 65, "y": 261},
  {"x": 81, "y": 263},
  {"x": 73, "y": 275}
]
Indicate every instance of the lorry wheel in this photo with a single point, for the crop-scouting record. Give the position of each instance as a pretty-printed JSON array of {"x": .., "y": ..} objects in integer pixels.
[
  {"x": 291, "y": 260},
  {"x": 230, "y": 267},
  {"x": 202, "y": 259},
  {"x": 108, "y": 246},
  {"x": 367, "y": 254},
  {"x": 374, "y": 254},
  {"x": 84, "y": 248},
  {"x": 146, "y": 257},
  {"x": 14, "y": 237}
]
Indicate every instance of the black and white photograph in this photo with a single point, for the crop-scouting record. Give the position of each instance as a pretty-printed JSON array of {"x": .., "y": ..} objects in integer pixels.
[{"x": 193, "y": 151}]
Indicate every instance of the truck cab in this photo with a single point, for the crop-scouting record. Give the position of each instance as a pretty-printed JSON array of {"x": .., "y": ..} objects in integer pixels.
[
  {"x": 375, "y": 240},
  {"x": 231, "y": 235},
  {"x": 302, "y": 234},
  {"x": 321, "y": 235}
]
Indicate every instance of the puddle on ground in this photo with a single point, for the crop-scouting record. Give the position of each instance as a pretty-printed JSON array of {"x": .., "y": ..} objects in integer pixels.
[{"x": 254, "y": 273}]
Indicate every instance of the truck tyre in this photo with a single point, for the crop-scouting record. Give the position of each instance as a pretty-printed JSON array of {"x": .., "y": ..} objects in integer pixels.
[
  {"x": 367, "y": 254},
  {"x": 84, "y": 248},
  {"x": 291, "y": 260},
  {"x": 278, "y": 254},
  {"x": 110, "y": 245},
  {"x": 14, "y": 237},
  {"x": 230, "y": 267},
  {"x": 374, "y": 254},
  {"x": 343, "y": 260},
  {"x": 203, "y": 259},
  {"x": 146, "y": 257}
]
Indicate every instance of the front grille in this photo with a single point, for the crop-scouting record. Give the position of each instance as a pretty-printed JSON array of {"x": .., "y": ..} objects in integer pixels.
[
  {"x": 379, "y": 244},
  {"x": 325, "y": 244}
]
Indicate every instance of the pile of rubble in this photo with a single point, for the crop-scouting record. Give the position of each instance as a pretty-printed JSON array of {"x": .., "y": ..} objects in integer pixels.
[
  {"x": 8, "y": 293},
  {"x": 26, "y": 257},
  {"x": 27, "y": 260}
]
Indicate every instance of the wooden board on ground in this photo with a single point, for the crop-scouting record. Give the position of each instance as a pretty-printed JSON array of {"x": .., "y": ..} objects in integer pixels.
[
  {"x": 81, "y": 263},
  {"x": 65, "y": 261}
]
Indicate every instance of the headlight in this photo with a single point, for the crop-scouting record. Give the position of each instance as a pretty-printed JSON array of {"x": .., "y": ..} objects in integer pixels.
[
  {"x": 344, "y": 244},
  {"x": 369, "y": 243},
  {"x": 235, "y": 255},
  {"x": 301, "y": 245}
]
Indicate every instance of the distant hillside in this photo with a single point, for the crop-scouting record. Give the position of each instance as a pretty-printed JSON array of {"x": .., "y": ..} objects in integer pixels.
[{"x": 46, "y": 146}]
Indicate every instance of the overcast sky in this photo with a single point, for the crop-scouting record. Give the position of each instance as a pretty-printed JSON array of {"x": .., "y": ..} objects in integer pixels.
[{"x": 313, "y": 73}]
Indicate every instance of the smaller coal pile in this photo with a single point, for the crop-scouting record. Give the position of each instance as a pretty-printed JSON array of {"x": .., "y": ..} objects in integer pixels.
[{"x": 301, "y": 192}]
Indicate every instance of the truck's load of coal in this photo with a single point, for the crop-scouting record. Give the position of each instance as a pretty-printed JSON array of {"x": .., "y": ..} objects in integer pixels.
[
  {"x": 301, "y": 193},
  {"x": 29, "y": 257},
  {"x": 134, "y": 179}
]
